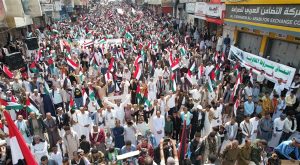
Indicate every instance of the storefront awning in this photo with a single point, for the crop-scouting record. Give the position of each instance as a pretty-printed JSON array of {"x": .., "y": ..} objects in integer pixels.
[{"x": 215, "y": 20}]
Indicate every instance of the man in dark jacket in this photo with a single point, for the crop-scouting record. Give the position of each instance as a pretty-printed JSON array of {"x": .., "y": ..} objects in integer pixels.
[{"x": 196, "y": 149}]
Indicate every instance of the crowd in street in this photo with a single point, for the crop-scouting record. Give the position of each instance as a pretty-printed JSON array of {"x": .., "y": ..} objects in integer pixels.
[{"x": 118, "y": 79}]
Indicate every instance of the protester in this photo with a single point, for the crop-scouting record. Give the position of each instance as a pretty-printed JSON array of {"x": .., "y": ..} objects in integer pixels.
[{"x": 126, "y": 80}]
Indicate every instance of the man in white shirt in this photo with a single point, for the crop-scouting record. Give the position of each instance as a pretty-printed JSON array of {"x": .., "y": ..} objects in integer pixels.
[
  {"x": 152, "y": 90},
  {"x": 247, "y": 128},
  {"x": 57, "y": 98},
  {"x": 84, "y": 122},
  {"x": 158, "y": 126},
  {"x": 157, "y": 72},
  {"x": 110, "y": 118},
  {"x": 119, "y": 108},
  {"x": 260, "y": 79},
  {"x": 126, "y": 74}
]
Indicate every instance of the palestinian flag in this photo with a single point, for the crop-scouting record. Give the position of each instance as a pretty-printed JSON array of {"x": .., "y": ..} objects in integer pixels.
[
  {"x": 182, "y": 51},
  {"x": 72, "y": 104},
  {"x": 211, "y": 92},
  {"x": 13, "y": 105},
  {"x": 236, "y": 69},
  {"x": 3, "y": 102},
  {"x": 6, "y": 70},
  {"x": 103, "y": 41},
  {"x": 193, "y": 67},
  {"x": 175, "y": 65},
  {"x": 31, "y": 106},
  {"x": 212, "y": 76},
  {"x": 129, "y": 36},
  {"x": 174, "y": 86},
  {"x": 72, "y": 63},
  {"x": 111, "y": 65},
  {"x": 138, "y": 72},
  {"x": 189, "y": 77},
  {"x": 236, "y": 86},
  {"x": 46, "y": 88},
  {"x": 19, "y": 148},
  {"x": 217, "y": 71},
  {"x": 236, "y": 106},
  {"x": 147, "y": 103},
  {"x": 33, "y": 68}
]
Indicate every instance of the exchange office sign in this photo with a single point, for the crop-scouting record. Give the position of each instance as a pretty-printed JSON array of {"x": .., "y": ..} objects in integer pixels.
[{"x": 282, "y": 15}]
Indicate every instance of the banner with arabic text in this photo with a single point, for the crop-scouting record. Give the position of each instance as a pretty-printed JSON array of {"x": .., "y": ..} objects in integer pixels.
[
  {"x": 273, "y": 70},
  {"x": 35, "y": 9}
]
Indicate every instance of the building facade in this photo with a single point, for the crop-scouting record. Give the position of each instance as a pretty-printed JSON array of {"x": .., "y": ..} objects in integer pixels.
[{"x": 269, "y": 28}]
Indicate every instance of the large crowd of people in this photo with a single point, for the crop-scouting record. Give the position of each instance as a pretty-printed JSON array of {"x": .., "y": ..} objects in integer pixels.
[{"x": 119, "y": 84}]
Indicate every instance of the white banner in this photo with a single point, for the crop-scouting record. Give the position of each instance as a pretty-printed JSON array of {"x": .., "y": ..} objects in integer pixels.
[
  {"x": 47, "y": 7},
  {"x": 190, "y": 7},
  {"x": 117, "y": 42},
  {"x": 214, "y": 10},
  {"x": 273, "y": 70},
  {"x": 200, "y": 9}
]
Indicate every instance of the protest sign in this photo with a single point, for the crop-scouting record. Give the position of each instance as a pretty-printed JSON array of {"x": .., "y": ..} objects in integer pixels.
[{"x": 273, "y": 70}]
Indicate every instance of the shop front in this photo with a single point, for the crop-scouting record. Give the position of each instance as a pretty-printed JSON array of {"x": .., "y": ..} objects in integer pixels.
[
  {"x": 209, "y": 16},
  {"x": 270, "y": 29}
]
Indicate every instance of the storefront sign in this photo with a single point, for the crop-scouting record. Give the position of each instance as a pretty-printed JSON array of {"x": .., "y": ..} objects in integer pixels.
[
  {"x": 282, "y": 15},
  {"x": 190, "y": 7},
  {"x": 45, "y": 1},
  {"x": 47, "y": 7},
  {"x": 35, "y": 9},
  {"x": 166, "y": 3},
  {"x": 200, "y": 9},
  {"x": 214, "y": 10},
  {"x": 273, "y": 70}
]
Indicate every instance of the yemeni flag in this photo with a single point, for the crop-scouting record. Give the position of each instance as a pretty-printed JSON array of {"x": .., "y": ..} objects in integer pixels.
[
  {"x": 138, "y": 94},
  {"x": 33, "y": 68},
  {"x": 138, "y": 72},
  {"x": 72, "y": 104},
  {"x": 201, "y": 71},
  {"x": 251, "y": 76},
  {"x": 129, "y": 36},
  {"x": 137, "y": 60},
  {"x": 211, "y": 92},
  {"x": 236, "y": 105},
  {"x": 212, "y": 76},
  {"x": 175, "y": 65},
  {"x": 223, "y": 57},
  {"x": 216, "y": 57},
  {"x": 236, "y": 86},
  {"x": 31, "y": 106},
  {"x": 111, "y": 65},
  {"x": 72, "y": 63},
  {"x": 19, "y": 148},
  {"x": 7, "y": 71},
  {"x": 174, "y": 86},
  {"x": 182, "y": 51}
]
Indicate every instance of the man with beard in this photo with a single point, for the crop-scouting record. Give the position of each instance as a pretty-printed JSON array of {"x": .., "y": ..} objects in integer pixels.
[{"x": 196, "y": 149}]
